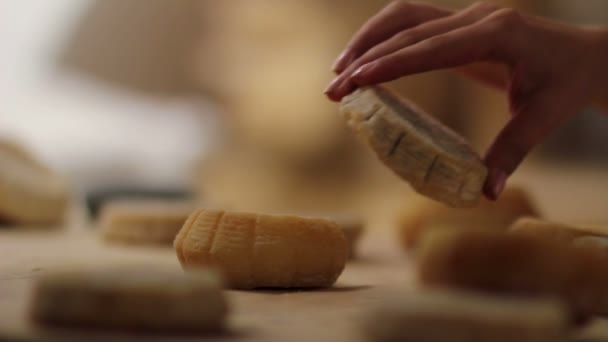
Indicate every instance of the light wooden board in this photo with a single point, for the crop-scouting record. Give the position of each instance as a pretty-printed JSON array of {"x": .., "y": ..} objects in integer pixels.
[
  {"x": 329, "y": 314},
  {"x": 326, "y": 315}
]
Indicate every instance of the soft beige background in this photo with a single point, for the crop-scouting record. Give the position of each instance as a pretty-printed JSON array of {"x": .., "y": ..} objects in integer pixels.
[{"x": 225, "y": 96}]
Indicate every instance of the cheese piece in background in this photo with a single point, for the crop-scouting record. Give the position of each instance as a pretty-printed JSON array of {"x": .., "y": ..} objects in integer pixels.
[
  {"x": 424, "y": 215},
  {"x": 30, "y": 193},
  {"x": 143, "y": 222}
]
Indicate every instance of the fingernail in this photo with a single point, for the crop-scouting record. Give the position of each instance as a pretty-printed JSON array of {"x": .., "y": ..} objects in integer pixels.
[
  {"x": 495, "y": 184},
  {"x": 346, "y": 87},
  {"x": 499, "y": 186},
  {"x": 332, "y": 90},
  {"x": 342, "y": 61},
  {"x": 361, "y": 72},
  {"x": 332, "y": 85}
]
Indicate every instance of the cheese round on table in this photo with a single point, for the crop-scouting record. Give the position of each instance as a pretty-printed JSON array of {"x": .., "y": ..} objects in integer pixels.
[
  {"x": 264, "y": 251},
  {"x": 141, "y": 298}
]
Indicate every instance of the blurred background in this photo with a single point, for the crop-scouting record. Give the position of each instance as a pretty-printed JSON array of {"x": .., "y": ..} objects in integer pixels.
[{"x": 223, "y": 100}]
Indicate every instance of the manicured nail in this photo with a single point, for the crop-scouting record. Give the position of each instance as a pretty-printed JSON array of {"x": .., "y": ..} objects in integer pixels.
[
  {"x": 343, "y": 60},
  {"x": 346, "y": 87},
  {"x": 361, "y": 72},
  {"x": 495, "y": 184},
  {"x": 499, "y": 186},
  {"x": 332, "y": 85},
  {"x": 333, "y": 89}
]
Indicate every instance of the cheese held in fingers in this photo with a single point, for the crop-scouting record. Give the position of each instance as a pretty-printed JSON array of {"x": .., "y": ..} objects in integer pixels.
[{"x": 436, "y": 161}]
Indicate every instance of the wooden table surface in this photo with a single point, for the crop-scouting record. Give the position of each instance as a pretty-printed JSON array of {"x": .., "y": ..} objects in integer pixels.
[
  {"x": 325, "y": 315},
  {"x": 328, "y": 315}
]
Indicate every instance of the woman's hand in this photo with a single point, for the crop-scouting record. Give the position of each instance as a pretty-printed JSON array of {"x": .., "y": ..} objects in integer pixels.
[{"x": 550, "y": 71}]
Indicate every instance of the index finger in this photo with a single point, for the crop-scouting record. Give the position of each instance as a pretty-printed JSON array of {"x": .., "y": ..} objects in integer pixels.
[
  {"x": 394, "y": 18},
  {"x": 488, "y": 40}
]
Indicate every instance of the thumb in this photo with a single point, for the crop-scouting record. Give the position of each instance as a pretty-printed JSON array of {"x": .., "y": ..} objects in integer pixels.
[{"x": 529, "y": 126}]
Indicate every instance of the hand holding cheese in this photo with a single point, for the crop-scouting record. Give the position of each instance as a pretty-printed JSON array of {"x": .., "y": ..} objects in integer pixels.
[
  {"x": 549, "y": 71},
  {"x": 436, "y": 161}
]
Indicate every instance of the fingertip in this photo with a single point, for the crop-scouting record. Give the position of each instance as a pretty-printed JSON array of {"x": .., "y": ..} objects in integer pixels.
[
  {"x": 332, "y": 86},
  {"x": 339, "y": 88},
  {"x": 495, "y": 183},
  {"x": 332, "y": 96},
  {"x": 343, "y": 61}
]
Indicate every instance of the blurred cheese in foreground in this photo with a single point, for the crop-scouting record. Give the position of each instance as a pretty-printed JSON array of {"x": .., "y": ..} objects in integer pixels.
[
  {"x": 135, "y": 297},
  {"x": 438, "y": 316}
]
